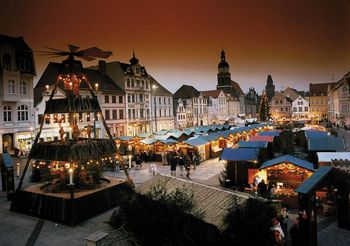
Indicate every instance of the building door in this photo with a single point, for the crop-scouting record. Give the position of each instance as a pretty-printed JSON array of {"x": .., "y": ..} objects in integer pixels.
[{"x": 7, "y": 143}]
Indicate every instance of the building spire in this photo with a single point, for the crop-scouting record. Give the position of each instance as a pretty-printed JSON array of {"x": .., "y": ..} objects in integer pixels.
[{"x": 133, "y": 60}]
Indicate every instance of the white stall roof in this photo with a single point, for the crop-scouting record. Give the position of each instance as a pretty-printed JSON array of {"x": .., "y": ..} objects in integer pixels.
[{"x": 329, "y": 156}]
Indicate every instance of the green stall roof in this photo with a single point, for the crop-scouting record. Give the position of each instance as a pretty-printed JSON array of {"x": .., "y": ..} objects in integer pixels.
[{"x": 311, "y": 183}]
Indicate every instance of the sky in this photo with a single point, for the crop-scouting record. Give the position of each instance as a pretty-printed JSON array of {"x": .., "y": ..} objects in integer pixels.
[{"x": 179, "y": 42}]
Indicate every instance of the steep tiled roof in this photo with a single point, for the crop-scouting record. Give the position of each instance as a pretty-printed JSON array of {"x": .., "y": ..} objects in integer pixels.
[
  {"x": 186, "y": 91},
  {"x": 236, "y": 87},
  {"x": 161, "y": 90},
  {"x": 318, "y": 89},
  {"x": 212, "y": 93}
]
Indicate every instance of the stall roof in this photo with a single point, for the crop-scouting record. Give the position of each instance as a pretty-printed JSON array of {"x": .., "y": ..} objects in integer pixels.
[
  {"x": 288, "y": 158},
  {"x": 253, "y": 144},
  {"x": 197, "y": 141},
  {"x": 329, "y": 143},
  {"x": 144, "y": 135},
  {"x": 148, "y": 141},
  {"x": 240, "y": 154},
  {"x": 330, "y": 156},
  {"x": 7, "y": 160},
  {"x": 311, "y": 183},
  {"x": 125, "y": 138},
  {"x": 272, "y": 133},
  {"x": 162, "y": 132},
  {"x": 168, "y": 141},
  {"x": 262, "y": 138},
  {"x": 314, "y": 134}
]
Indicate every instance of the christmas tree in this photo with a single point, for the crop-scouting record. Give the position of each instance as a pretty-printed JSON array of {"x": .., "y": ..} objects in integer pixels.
[{"x": 264, "y": 109}]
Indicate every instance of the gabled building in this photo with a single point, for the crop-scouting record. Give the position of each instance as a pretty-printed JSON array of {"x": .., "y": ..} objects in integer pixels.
[
  {"x": 217, "y": 106},
  {"x": 319, "y": 101},
  {"x": 226, "y": 84},
  {"x": 17, "y": 70},
  {"x": 300, "y": 108},
  {"x": 191, "y": 104},
  {"x": 280, "y": 107},
  {"x": 149, "y": 106},
  {"x": 111, "y": 99}
]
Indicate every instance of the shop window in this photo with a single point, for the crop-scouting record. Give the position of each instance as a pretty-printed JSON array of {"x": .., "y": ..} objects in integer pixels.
[
  {"x": 7, "y": 114},
  {"x": 22, "y": 113}
]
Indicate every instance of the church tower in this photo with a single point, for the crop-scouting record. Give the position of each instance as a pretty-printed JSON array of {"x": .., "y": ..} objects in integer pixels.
[
  {"x": 270, "y": 88},
  {"x": 224, "y": 76}
]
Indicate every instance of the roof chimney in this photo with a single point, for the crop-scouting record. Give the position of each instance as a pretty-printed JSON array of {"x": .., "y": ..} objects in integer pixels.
[{"x": 102, "y": 67}]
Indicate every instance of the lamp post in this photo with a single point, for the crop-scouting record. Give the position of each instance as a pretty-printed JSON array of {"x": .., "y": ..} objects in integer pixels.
[{"x": 155, "y": 106}]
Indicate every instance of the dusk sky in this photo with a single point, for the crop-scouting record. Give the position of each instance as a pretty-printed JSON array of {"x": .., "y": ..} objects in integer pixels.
[{"x": 179, "y": 42}]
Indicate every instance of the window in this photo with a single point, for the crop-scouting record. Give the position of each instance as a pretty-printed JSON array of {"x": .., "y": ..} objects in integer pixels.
[
  {"x": 300, "y": 109},
  {"x": 294, "y": 109},
  {"x": 141, "y": 98},
  {"x": 6, "y": 61},
  {"x": 23, "y": 88},
  {"x": 146, "y": 84},
  {"x": 114, "y": 114},
  {"x": 276, "y": 102},
  {"x": 133, "y": 98},
  {"x": 106, "y": 99},
  {"x": 170, "y": 112},
  {"x": 160, "y": 100},
  {"x": 169, "y": 100},
  {"x": 129, "y": 98},
  {"x": 128, "y": 82},
  {"x": 306, "y": 108},
  {"x": 7, "y": 114},
  {"x": 142, "y": 83},
  {"x": 287, "y": 109},
  {"x": 129, "y": 113},
  {"x": 147, "y": 113},
  {"x": 301, "y": 103},
  {"x": 22, "y": 113},
  {"x": 107, "y": 114},
  {"x": 132, "y": 83},
  {"x": 11, "y": 87},
  {"x": 121, "y": 114},
  {"x": 138, "y": 83},
  {"x": 281, "y": 109},
  {"x": 120, "y": 99},
  {"x": 134, "y": 113},
  {"x": 141, "y": 113},
  {"x": 160, "y": 113},
  {"x": 164, "y": 100},
  {"x": 114, "y": 99}
]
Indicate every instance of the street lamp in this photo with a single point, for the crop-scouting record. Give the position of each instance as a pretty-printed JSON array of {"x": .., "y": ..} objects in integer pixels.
[{"x": 154, "y": 87}]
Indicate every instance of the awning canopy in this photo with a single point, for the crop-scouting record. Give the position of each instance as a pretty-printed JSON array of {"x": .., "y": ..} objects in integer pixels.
[
  {"x": 240, "y": 154},
  {"x": 312, "y": 182},
  {"x": 328, "y": 143},
  {"x": 291, "y": 159},
  {"x": 253, "y": 144}
]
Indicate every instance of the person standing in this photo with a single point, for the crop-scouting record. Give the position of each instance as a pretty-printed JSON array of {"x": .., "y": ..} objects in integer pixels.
[
  {"x": 278, "y": 234},
  {"x": 173, "y": 164},
  {"x": 262, "y": 188},
  {"x": 188, "y": 166}
]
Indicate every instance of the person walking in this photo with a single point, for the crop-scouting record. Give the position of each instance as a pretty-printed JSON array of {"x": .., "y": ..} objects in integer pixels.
[
  {"x": 196, "y": 160},
  {"x": 188, "y": 166},
  {"x": 181, "y": 164}
]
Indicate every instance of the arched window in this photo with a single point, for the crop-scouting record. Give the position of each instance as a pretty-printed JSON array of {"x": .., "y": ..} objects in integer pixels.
[
  {"x": 6, "y": 60},
  {"x": 22, "y": 113},
  {"x": 7, "y": 114},
  {"x": 11, "y": 87},
  {"x": 23, "y": 88}
]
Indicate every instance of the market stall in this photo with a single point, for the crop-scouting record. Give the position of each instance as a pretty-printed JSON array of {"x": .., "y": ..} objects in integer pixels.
[
  {"x": 201, "y": 145},
  {"x": 286, "y": 173}
]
